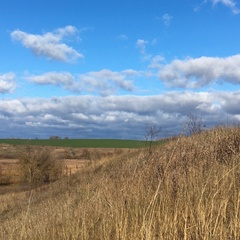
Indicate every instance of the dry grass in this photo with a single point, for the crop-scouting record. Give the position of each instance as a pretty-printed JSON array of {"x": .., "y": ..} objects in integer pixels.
[
  {"x": 74, "y": 159},
  {"x": 187, "y": 189}
]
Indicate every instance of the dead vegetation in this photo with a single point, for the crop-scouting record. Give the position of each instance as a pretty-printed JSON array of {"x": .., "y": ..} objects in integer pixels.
[
  {"x": 27, "y": 163},
  {"x": 188, "y": 188}
]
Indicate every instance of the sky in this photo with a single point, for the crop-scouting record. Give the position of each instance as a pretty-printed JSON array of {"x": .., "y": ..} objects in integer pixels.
[{"x": 112, "y": 69}]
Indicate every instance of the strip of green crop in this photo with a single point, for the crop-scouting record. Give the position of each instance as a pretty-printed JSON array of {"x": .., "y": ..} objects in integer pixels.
[{"x": 78, "y": 143}]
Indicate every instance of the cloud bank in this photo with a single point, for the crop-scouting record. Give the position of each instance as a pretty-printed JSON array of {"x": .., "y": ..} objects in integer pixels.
[{"x": 114, "y": 116}]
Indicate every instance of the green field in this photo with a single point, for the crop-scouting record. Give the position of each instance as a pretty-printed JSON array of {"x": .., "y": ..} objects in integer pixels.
[{"x": 78, "y": 143}]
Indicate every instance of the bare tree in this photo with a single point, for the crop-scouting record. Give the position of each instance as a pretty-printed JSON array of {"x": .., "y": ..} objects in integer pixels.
[
  {"x": 152, "y": 134},
  {"x": 194, "y": 125}
]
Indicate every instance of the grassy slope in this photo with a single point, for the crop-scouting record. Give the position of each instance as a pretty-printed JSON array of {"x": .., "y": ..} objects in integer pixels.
[{"x": 187, "y": 189}]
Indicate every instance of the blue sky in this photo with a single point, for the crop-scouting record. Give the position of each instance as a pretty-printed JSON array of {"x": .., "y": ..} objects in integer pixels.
[{"x": 108, "y": 69}]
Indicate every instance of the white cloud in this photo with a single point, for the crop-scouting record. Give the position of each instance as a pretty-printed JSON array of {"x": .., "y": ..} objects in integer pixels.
[
  {"x": 53, "y": 78},
  {"x": 199, "y": 72},
  {"x": 156, "y": 62},
  {"x": 231, "y": 4},
  {"x": 7, "y": 83},
  {"x": 130, "y": 72},
  {"x": 114, "y": 116},
  {"x": 228, "y": 3},
  {"x": 141, "y": 45},
  {"x": 167, "y": 19},
  {"x": 49, "y": 44},
  {"x": 105, "y": 82}
]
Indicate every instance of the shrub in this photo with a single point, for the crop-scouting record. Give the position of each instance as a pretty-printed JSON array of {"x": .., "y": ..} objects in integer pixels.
[
  {"x": 5, "y": 179},
  {"x": 37, "y": 165}
]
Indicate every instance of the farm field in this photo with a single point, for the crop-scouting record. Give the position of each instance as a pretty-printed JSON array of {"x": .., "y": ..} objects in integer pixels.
[{"x": 78, "y": 143}]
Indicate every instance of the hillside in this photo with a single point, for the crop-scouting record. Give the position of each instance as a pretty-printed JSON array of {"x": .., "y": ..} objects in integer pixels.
[{"x": 188, "y": 188}]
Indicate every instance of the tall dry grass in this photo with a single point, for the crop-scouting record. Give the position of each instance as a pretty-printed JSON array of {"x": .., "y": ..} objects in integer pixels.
[{"x": 187, "y": 189}]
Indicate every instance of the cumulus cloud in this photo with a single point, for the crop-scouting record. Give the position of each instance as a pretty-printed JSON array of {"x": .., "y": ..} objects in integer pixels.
[
  {"x": 105, "y": 82},
  {"x": 53, "y": 78},
  {"x": 199, "y": 72},
  {"x": 7, "y": 83},
  {"x": 49, "y": 44},
  {"x": 114, "y": 116}
]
